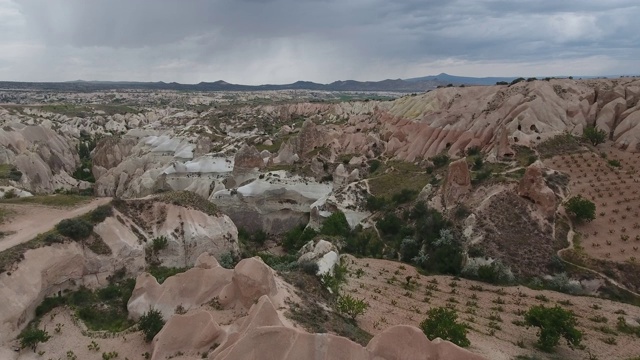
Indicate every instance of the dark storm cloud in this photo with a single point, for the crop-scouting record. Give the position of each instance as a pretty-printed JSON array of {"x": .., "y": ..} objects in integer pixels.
[{"x": 255, "y": 41}]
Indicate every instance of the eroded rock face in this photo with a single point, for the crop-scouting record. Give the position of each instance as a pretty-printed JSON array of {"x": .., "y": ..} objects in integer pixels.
[
  {"x": 533, "y": 187},
  {"x": 48, "y": 270},
  {"x": 43, "y": 156},
  {"x": 248, "y": 158},
  {"x": 197, "y": 331},
  {"x": 457, "y": 182},
  {"x": 274, "y": 203},
  {"x": 241, "y": 286},
  {"x": 263, "y": 335},
  {"x": 189, "y": 232}
]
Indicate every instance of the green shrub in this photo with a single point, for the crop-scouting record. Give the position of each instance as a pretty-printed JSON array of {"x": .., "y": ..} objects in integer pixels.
[
  {"x": 614, "y": 163},
  {"x": 350, "y": 306},
  {"x": 32, "y": 336},
  {"x": 159, "y": 243},
  {"x": 473, "y": 151},
  {"x": 553, "y": 323},
  {"x": 442, "y": 322},
  {"x": 594, "y": 135},
  {"x": 151, "y": 323},
  {"x": 101, "y": 213},
  {"x": 227, "y": 260},
  {"x": 390, "y": 224},
  {"x": 405, "y": 195},
  {"x": 440, "y": 160},
  {"x": 375, "y": 203},
  {"x": 374, "y": 165},
  {"x": 581, "y": 208},
  {"x": 297, "y": 237},
  {"x": 76, "y": 229},
  {"x": 335, "y": 225}
]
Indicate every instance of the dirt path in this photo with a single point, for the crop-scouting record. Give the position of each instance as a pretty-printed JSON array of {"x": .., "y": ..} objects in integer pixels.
[
  {"x": 31, "y": 220},
  {"x": 570, "y": 240}
]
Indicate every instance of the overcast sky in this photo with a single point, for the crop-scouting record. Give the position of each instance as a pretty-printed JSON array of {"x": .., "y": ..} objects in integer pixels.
[{"x": 280, "y": 41}]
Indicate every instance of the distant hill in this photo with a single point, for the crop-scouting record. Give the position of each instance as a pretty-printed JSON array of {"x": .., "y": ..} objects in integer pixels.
[
  {"x": 397, "y": 85},
  {"x": 461, "y": 80},
  {"x": 419, "y": 84}
]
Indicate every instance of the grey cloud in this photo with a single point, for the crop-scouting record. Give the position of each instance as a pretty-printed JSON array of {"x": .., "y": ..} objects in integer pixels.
[{"x": 322, "y": 40}]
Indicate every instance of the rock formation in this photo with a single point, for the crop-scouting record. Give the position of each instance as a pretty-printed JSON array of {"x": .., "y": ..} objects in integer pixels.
[
  {"x": 532, "y": 186},
  {"x": 48, "y": 270},
  {"x": 275, "y": 202},
  {"x": 457, "y": 182},
  {"x": 322, "y": 253},
  {"x": 263, "y": 335}
]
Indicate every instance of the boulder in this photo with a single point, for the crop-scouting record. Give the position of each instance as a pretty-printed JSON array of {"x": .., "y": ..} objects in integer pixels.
[
  {"x": 533, "y": 187},
  {"x": 322, "y": 253}
]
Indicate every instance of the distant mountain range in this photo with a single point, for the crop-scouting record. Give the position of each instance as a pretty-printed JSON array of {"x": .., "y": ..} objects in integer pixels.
[{"x": 418, "y": 84}]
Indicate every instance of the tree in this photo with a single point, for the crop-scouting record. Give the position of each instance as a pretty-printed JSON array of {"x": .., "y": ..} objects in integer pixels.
[
  {"x": 151, "y": 323},
  {"x": 31, "y": 336},
  {"x": 594, "y": 135},
  {"x": 77, "y": 229},
  {"x": 442, "y": 322},
  {"x": 554, "y": 323},
  {"x": 350, "y": 306},
  {"x": 581, "y": 208},
  {"x": 336, "y": 225}
]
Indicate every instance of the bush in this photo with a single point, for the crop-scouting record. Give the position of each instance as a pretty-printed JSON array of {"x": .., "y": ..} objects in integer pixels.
[
  {"x": 614, "y": 163},
  {"x": 405, "y": 195},
  {"x": 227, "y": 260},
  {"x": 440, "y": 160},
  {"x": 101, "y": 213},
  {"x": 515, "y": 81},
  {"x": 10, "y": 194},
  {"x": 594, "y": 135},
  {"x": 151, "y": 323},
  {"x": 390, "y": 224},
  {"x": 409, "y": 249},
  {"x": 581, "y": 208},
  {"x": 374, "y": 165},
  {"x": 350, "y": 306},
  {"x": 76, "y": 229},
  {"x": 554, "y": 323},
  {"x": 473, "y": 151},
  {"x": 31, "y": 336},
  {"x": 297, "y": 237},
  {"x": 336, "y": 225},
  {"x": 375, "y": 203},
  {"x": 442, "y": 322},
  {"x": 159, "y": 243}
]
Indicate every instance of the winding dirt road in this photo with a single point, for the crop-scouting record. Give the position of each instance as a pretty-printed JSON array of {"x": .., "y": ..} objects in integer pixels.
[{"x": 30, "y": 220}]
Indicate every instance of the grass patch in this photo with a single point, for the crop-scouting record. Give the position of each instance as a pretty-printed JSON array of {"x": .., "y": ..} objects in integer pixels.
[
  {"x": 161, "y": 273},
  {"x": 525, "y": 156},
  {"x": 558, "y": 145},
  {"x": 101, "y": 310},
  {"x": 5, "y": 214},
  {"x": 189, "y": 200},
  {"x": 98, "y": 246},
  {"x": 16, "y": 253},
  {"x": 10, "y": 172},
  {"x": 394, "y": 176},
  {"x": 51, "y": 200}
]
